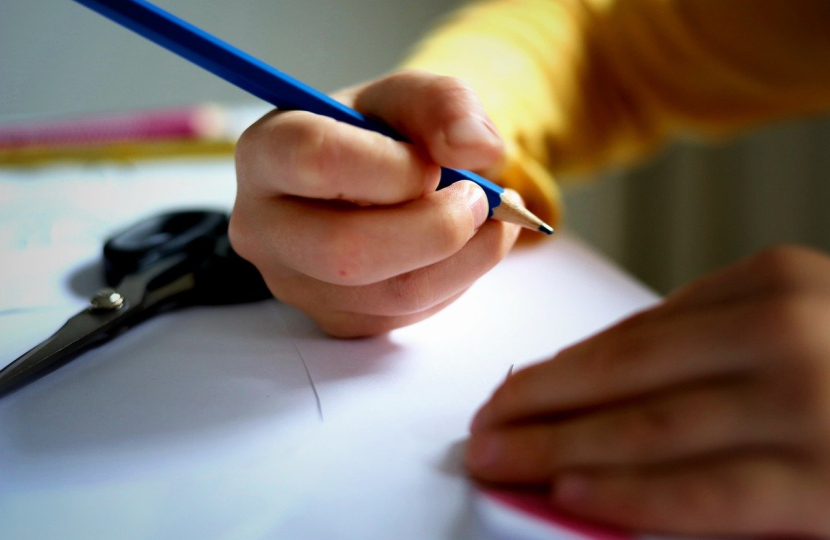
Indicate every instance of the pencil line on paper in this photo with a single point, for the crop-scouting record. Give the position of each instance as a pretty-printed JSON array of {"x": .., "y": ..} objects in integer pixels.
[
  {"x": 310, "y": 380},
  {"x": 307, "y": 371}
]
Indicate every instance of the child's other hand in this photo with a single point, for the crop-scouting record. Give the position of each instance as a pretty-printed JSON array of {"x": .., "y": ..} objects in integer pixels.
[
  {"x": 707, "y": 415},
  {"x": 346, "y": 225}
]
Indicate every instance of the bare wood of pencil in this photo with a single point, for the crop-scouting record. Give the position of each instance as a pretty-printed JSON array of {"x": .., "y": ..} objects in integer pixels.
[{"x": 513, "y": 212}]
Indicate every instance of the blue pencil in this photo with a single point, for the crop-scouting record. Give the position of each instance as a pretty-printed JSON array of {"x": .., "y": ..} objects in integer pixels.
[{"x": 283, "y": 91}]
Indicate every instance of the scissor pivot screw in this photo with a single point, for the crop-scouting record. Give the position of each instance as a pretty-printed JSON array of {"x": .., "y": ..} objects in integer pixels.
[{"x": 106, "y": 300}]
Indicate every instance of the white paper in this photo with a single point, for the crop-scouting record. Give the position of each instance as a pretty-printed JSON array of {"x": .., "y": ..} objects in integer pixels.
[{"x": 203, "y": 424}]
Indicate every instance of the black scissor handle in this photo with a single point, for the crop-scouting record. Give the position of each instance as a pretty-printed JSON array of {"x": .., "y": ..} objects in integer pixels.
[
  {"x": 227, "y": 278},
  {"x": 220, "y": 275},
  {"x": 193, "y": 233}
]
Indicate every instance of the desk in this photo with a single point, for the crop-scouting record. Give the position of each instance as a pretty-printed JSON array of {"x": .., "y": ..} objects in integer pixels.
[{"x": 203, "y": 424}]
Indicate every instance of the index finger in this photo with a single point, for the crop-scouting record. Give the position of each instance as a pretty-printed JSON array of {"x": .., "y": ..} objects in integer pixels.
[
  {"x": 306, "y": 155},
  {"x": 441, "y": 114},
  {"x": 639, "y": 357}
]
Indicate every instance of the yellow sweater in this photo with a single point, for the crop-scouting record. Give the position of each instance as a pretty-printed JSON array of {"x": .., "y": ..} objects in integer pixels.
[{"x": 578, "y": 84}]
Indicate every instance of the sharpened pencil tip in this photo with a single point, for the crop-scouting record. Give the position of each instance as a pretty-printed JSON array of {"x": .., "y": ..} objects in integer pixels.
[{"x": 512, "y": 211}]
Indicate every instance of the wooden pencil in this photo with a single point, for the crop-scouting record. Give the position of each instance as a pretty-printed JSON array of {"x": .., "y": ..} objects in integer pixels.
[{"x": 278, "y": 88}]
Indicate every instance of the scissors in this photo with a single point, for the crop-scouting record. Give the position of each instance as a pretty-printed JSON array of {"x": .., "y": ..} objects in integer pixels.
[{"x": 166, "y": 262}]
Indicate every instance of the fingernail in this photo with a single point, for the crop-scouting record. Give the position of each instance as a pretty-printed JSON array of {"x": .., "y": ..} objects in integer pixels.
[
  {"x": 482, "y": 452},
  {"x": 470, "y": 131},
  {"x": 477, "y": 201},
  {"x": 571, "y": 489}
]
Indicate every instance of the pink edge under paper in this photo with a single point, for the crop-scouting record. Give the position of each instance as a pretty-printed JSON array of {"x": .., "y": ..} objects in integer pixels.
[{"x": 537, "y": 507}]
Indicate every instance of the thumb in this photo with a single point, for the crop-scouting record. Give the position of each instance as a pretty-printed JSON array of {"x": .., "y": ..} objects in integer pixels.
[{"x": 440, "y": 114}]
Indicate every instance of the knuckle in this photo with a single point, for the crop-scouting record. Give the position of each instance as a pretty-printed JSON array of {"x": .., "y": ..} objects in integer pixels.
[
  {"x": 245, "y": 143},
  {"x": 412, "y": 292},
  {"x": 788, "y": 324},
  {"x": 299, "y": 150},
  {"x": 261, "y": 137},
  {"x": 240, "y": 237},
  {"x": 257, "y": 134},
  {"x": 251, "y": 146},
  {"x": 310, "y": 154},
  {"x": 445, "y": 90}
]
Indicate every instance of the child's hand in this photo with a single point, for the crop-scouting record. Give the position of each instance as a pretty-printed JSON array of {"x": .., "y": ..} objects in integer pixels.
[
  {"x": 707, "y": 415},
  {"x": 346, "y": 224}
]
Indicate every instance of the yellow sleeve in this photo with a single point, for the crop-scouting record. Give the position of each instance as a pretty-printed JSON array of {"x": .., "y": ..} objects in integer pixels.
[{"x": 574, "y": 85}]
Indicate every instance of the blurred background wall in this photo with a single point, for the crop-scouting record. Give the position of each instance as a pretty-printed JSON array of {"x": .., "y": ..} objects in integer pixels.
[
  {"x": 690, "y": 209},
  {"x": 695, "y": 207},
  {"x": 57, "y": 56}
]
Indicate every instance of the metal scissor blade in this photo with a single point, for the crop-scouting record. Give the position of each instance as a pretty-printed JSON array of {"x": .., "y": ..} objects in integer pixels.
[
  {"x": 90, "y": 326},
  {"x": 76, "y": 334}
]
